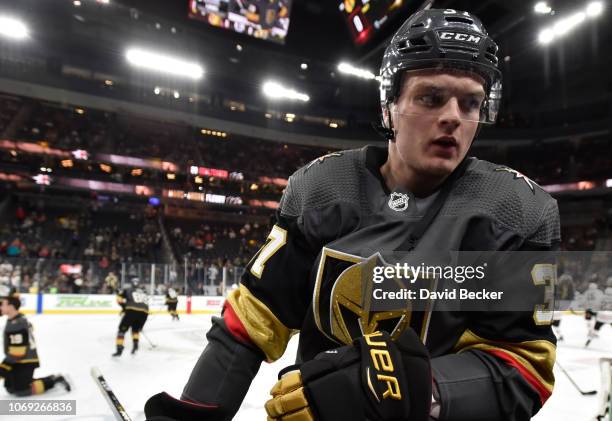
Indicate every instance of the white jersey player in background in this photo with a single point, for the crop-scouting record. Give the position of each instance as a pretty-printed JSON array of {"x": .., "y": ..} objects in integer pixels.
[{"x": 593, "y": 297}]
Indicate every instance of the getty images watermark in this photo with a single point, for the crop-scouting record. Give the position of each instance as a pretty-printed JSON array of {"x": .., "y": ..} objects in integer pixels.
[
  {"x": 405, "y": 272},
  {"x": 461, "y": 281}
]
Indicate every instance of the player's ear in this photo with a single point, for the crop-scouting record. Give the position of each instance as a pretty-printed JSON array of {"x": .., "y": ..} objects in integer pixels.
[{"x": 386, "y": 116}]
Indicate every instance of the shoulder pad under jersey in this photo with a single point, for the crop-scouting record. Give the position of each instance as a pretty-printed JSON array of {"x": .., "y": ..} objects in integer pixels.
[
  {"x": 509, "y": 197},
  {"x": 326, "y": 180}
]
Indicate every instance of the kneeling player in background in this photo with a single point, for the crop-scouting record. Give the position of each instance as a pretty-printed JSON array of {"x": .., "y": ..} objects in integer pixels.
[
  {"x": 171, "y": 303},
  {"x": 592, "y": 302},
  {"x": 133, "y": 301},
  {"x": 21, "y": 358}
]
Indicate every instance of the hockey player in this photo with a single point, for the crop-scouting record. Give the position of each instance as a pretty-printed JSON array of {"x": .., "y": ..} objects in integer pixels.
[
  {"x": 592, "y": 301},
  {"x": 171, "y": 302},
  {"x": 135, "y": 308},
  {"x": 439, "y": 82},
  {"x": 20, "y": 355},
  {"x": 603, "y": 314}
]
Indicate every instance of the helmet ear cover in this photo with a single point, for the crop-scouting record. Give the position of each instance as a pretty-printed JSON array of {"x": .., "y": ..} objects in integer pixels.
[{"x": 385, "y": 129}]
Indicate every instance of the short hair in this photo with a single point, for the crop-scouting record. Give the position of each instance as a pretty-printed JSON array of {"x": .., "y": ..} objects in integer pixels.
[{"x": 14, "y": 301}]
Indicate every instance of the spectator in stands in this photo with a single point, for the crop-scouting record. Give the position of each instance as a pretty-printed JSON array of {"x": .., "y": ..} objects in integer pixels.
[
  {"x": 111, "y": 281},
  {"x": 103, "y": 263},
  {"x": 76, "y": 283},
  {"x": 213, "y": 273},
  {"x": 20, "y": 214},
  {"x": 14, "y": 250},
  {"x": 43, "y": 252},
  {"x": 27, "y": 223}
]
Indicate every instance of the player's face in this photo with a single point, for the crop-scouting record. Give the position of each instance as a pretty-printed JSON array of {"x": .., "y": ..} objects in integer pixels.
[
  {"x": 436, "y": 117},
  {"x": 4, "y": 307}
]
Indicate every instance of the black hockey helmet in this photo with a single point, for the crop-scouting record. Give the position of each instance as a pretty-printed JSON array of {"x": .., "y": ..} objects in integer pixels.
[{"x": 442, "y": 39}]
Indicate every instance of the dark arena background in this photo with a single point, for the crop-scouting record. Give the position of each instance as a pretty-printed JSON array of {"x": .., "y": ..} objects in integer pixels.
[{"x": 153, "y": 139}]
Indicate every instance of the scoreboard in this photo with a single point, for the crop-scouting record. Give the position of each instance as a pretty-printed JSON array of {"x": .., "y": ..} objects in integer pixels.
[
  {"x": 264, "y": 19},
  {"x": 366, "y": 17}
]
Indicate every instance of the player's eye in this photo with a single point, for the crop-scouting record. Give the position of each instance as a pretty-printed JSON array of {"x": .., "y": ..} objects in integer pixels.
[
  {"x": 471, "y": 104},
  {"x": 431, "y": 100}
]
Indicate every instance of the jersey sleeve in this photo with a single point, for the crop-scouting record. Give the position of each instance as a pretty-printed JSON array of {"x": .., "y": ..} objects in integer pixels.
[
  {"x": 122, "y": 296},
  {"x": 258, "y": 317},
  {"x": 274, "y": 293},
  {"x": 502, "y": 365},
  {"x": 122, "y": 300}
]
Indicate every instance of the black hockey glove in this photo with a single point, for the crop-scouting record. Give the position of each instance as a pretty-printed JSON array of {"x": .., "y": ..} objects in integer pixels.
[
  {"x": 163, "y": 407},
  {"x": 374, "y": 379}
]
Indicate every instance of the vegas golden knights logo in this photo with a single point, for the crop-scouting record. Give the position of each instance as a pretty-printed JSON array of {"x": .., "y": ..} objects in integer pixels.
[{"x": 343, "y": 299}]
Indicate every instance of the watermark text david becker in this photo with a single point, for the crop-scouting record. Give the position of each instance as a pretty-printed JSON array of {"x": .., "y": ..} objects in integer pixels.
[{"x": 425, "y": 294}]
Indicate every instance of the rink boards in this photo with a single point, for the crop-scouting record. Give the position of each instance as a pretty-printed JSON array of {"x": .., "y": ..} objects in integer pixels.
[{"x": 107, "y": 304}]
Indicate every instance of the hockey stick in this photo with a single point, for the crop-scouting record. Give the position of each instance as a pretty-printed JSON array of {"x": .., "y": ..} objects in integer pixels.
[
  {"x": 151, "y": 344},
  {"x": 582, "y": 392},
  {"x": 118, "y": 410}
]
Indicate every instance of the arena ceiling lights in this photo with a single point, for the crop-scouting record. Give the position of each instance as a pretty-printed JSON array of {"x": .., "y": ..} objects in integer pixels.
[
  {"x": 275, "y": 90},
  {"x": 349, "y": 69},
  {"x": 162, "y": 63},
  {"x": 542, "y": 8},
  {"x": 565, "y": 25},
  {"x": 13, "y": 28}
]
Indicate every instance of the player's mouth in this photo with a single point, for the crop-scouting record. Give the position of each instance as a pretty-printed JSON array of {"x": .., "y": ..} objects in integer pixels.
[{"x": 445, "y": 145}]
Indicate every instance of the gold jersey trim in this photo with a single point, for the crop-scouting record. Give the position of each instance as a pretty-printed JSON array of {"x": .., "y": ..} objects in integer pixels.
[
  {"x": 28, "y": 361},
  {"x": 537, "y": 356},
  {"x": 263, "y": 327},
  {"x": 17, "y": 351}
]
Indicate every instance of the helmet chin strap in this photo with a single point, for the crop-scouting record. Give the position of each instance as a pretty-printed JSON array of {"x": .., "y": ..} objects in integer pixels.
[{"x": 386, "y": 132}]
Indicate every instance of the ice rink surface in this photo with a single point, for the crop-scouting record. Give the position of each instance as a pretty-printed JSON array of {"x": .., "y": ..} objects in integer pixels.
[{"x": 72, "y": 344}]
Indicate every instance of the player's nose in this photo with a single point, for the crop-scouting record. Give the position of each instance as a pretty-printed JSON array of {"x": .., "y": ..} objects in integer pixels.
[{"x": 450, "y": 115}]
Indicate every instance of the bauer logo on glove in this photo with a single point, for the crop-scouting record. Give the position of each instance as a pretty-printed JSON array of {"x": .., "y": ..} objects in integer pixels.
[{"x": 383, "y": 365}]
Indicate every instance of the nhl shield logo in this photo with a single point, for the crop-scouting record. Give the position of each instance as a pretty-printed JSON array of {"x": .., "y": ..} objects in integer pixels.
[{"x": 398, "y": 201}]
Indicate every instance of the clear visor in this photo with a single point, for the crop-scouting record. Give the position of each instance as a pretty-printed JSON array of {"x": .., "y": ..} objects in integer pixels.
[{"x": 448, "y": 94}]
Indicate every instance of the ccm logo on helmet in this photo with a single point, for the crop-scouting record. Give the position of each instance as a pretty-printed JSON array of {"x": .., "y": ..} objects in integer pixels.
[{"x": 458, "y": 36}]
